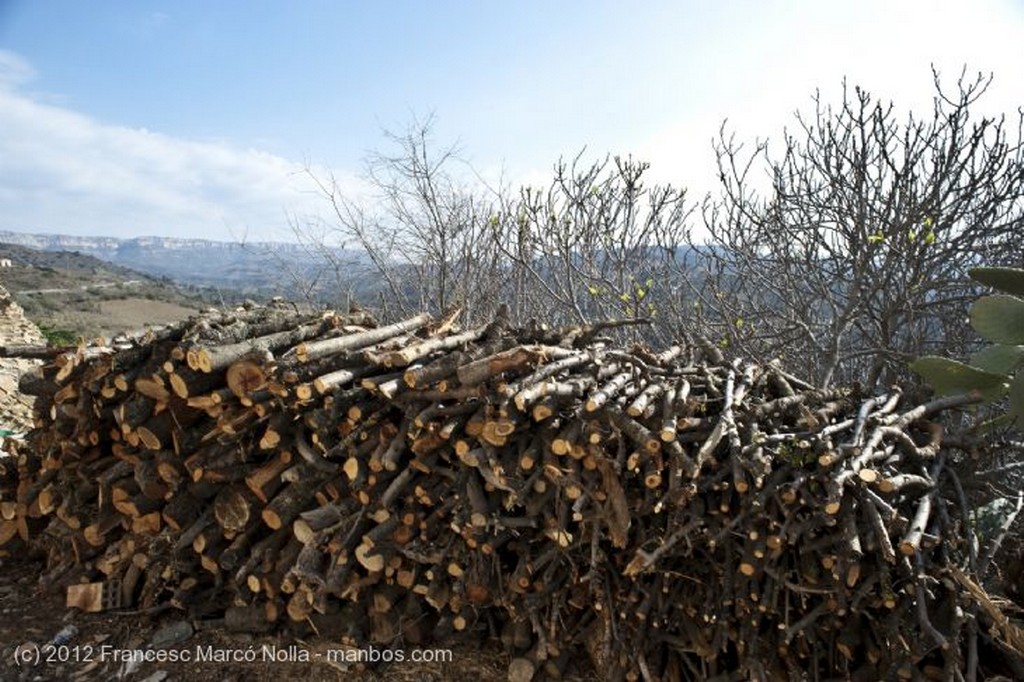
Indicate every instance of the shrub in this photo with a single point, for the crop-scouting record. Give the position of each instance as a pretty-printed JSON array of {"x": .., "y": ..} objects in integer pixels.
[{"x": 58, "y": 337}]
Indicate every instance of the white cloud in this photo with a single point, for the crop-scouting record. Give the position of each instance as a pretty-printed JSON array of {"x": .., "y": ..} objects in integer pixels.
[
  {"x": 14, "y": 69},
  {"x": 64, "y": 172},
  {"x": 657, "y": 88},
  {"x": 774, "y": 59}
]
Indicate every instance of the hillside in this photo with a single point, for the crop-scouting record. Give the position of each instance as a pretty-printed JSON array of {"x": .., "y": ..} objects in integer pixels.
[
  {"x": 71, "y": 294},
  {"x": 253, "y": 268}
]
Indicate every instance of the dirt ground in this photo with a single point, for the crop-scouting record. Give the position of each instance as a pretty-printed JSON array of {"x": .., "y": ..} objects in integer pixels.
[
  {"x": 132, "y": 313},
  {"x": 129, "y": 313},
  {"x": 29, "y": 621}
]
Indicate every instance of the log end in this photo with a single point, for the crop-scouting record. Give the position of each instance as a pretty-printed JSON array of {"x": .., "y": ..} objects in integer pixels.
[{"x": 244, "y": 377}]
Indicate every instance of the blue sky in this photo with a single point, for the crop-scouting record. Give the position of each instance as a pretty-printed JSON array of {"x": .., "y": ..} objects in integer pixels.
[{"x": 196, "y": 118}]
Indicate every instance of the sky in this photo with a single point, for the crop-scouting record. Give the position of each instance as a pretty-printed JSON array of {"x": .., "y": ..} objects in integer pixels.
[{"x": 194, "y": 118}]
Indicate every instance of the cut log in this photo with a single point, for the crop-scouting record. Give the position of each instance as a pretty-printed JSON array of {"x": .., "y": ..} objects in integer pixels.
[
  {"x": 245, "y": 377},
  {"x": 306, "y": 352}
]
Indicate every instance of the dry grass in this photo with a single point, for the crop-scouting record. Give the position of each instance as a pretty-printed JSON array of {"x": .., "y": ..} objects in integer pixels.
[
  {"x": 133, "y": 313},
  {"x": 106, "y": 318}
]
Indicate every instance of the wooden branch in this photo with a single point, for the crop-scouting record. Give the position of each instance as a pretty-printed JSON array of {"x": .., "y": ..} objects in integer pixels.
[{"x": 306, "y": 352}]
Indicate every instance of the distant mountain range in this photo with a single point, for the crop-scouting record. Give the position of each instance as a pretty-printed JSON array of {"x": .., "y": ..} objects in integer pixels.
[{"x": 257, "y": 267}]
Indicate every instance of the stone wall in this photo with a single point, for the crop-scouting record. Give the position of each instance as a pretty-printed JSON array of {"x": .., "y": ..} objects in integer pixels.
[{"x": 15, "y": 328}]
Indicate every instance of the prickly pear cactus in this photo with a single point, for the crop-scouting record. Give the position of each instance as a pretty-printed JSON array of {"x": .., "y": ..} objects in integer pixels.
[{"x": 998, "y": 370}]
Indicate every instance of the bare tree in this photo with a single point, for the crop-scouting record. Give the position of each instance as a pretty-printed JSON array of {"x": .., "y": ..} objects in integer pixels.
[
  {"x": 582, "y": 249},
  {"x": 849, "y": 262},
  {"x": 587, "y": 247},
  {"x": 424, "y": 231},
  {"x": 855, "y": 260}
]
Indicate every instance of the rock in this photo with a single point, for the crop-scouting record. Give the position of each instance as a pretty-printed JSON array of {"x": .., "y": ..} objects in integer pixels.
[
  {"x": 172, "y": 634},
  {"x": 67, "y": 633},
  {"x": 15, "y": 328}
]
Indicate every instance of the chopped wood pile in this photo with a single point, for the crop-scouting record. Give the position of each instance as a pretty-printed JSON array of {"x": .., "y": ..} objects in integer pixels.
[{"x": 674, "y": 515}]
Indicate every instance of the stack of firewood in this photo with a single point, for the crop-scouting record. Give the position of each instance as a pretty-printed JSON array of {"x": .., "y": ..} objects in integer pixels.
[{"x": 673, "y": 514}]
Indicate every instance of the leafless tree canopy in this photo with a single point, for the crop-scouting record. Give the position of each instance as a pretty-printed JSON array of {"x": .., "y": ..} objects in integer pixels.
[
  {"x": 855, "y": 259},
  {"x": 842, "y": 251}
]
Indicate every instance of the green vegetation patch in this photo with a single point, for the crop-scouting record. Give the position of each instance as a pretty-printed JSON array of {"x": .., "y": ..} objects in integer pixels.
[{"x": 58, "y": 337}]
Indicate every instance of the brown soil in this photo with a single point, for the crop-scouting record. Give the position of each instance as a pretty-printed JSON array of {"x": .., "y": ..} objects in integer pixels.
[
  {"x": 29, "y": 620},
  {"x": 135, "y": 313}
]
